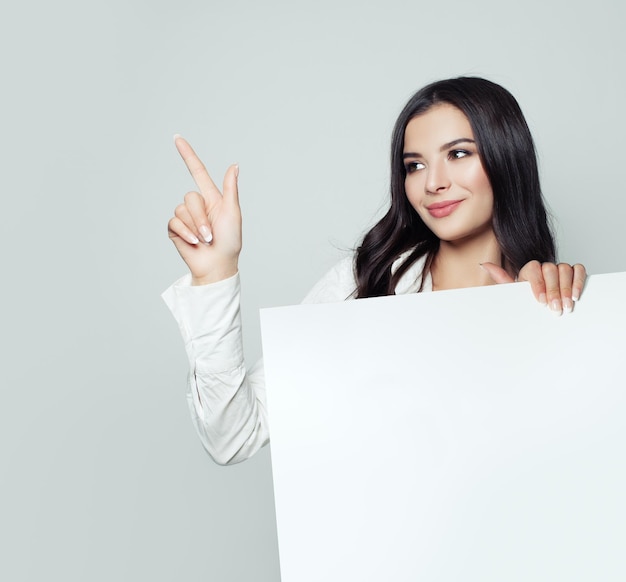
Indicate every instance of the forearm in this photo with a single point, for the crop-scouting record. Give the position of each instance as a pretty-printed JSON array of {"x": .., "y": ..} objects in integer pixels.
[{"x": 227, "y": 403}]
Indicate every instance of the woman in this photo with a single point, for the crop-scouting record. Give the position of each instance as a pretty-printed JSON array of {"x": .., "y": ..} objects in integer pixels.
[{"x": 466, "y": 210}]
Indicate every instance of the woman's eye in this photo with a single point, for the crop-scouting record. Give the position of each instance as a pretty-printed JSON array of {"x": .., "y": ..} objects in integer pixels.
[
  {"x": 414, "y": 167},
  {"x": 458, "y": 154}
]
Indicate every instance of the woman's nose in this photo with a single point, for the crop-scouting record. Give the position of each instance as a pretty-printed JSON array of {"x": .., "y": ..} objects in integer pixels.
[{"x": 437, "y": 180}]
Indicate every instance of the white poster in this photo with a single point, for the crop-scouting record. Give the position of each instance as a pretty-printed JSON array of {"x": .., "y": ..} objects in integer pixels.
[{"x": 457, "y": 435}]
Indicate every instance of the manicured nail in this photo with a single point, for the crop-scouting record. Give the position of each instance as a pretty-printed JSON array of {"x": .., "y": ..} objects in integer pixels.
[
  {"x": 176, "y": 136},
  {"x": 568, "y": 305},
  {"x": 556, "y": 306},
  {"x": 543, "y": 299},
  {"x": 575, "y": 294},
  {"x": 236, "y": 170},
  {"x": 206, "y": 233},
  {"x": 193, "y": 239}
]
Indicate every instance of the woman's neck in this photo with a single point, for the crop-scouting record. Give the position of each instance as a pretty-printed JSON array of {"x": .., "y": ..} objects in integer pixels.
[{"x": 457, "y": 264}]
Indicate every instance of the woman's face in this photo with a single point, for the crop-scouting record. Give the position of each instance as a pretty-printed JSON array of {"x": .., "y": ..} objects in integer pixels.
[{"x": 445, "y": 179}]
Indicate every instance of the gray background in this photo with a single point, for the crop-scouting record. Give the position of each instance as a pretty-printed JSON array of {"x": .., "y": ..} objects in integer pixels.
[{"x": 102, "y": 476}]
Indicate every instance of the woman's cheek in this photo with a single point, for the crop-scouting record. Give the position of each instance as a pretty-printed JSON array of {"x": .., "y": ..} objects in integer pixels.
[{"x": 412, "y": 191}]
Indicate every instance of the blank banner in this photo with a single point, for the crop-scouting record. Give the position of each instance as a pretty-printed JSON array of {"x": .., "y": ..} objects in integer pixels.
[{"x": 457, "y": 435}]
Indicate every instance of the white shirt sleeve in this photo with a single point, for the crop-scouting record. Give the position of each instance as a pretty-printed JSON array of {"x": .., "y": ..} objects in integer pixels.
[{"x": 226, "y": 401}]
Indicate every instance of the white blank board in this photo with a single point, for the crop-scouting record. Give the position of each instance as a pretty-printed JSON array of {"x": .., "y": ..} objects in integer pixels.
[{"x": 457, "y": 435}]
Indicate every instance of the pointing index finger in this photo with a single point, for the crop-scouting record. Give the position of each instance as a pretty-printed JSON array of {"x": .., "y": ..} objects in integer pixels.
[{"x": 196, "y": 167}]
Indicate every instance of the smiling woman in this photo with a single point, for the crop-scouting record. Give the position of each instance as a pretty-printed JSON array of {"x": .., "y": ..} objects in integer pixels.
[
  {"x": 450, "y": 191},
  {"x": 466, "y": 210},
  {"x": 454, "y": 141}
]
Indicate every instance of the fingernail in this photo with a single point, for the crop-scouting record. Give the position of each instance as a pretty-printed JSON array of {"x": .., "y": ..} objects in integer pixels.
[
  {"x": 193, "y": 240},
  {"x": 575, "y": 295},
  {"x": 556, "y": 307},
  {"x": 568, "y": 305},
  {"x": 543, "y": 299},
  {"x": 176, "y": 136},
  {"x": 206, "y": 233},
  {"x": 236, "y": 170}
]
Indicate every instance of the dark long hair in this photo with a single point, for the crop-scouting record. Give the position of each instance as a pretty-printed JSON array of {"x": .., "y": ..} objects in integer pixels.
[{"x": 507, "y": 152}]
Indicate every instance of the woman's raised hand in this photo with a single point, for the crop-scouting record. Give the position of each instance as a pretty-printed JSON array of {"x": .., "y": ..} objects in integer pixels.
[
  {"x": 557, "y": 286},
  {"x": 206, "y": 227}
]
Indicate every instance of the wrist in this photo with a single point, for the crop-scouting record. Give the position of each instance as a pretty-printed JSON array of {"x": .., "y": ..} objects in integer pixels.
[{"x": 215, "y": 275}]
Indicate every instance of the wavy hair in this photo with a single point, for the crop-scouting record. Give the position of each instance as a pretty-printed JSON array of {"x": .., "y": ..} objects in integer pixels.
[{"x": 507, "y": 152}]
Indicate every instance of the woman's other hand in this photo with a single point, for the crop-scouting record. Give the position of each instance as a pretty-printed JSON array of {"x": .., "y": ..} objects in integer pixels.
[
  {"x": 557, "y": 286},
  {"x": 206, "y": 227}
]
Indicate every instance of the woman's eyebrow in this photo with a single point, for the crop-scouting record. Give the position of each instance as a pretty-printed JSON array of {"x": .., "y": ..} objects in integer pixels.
[
  {"x": 443, "y": 148},
  {"x": 452, "y": 143}
]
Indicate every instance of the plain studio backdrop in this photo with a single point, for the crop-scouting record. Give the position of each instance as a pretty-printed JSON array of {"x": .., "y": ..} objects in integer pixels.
[{"x": 102, "y": 475}]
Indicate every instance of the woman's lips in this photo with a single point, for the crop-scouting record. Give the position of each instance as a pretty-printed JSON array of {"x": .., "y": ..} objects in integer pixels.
[{"x": 441, "y": 209}]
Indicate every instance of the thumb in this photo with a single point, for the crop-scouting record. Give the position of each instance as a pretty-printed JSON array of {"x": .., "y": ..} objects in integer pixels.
[{"x": 498, "y": 274}]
